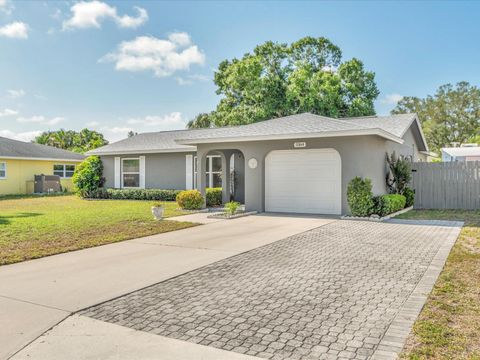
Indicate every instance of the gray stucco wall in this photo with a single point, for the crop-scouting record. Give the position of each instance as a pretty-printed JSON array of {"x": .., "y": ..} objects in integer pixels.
[
  {"x": 410, "y": 147},
  {"x": 360, "y": 155},
  {"x": 162, "y": 171}
]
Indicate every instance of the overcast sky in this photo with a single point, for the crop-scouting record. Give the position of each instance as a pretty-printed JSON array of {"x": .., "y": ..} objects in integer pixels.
[{"x": 148, "y": 66}]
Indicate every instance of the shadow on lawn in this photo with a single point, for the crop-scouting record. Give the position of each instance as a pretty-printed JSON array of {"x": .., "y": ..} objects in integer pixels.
[{"x": 4, "y": 220}]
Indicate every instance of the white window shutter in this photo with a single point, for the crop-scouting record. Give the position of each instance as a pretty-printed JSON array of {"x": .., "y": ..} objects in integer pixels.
[
  {"x": 142, "y": 172},
  {"x": 188, "y": 172},
  {"x": 116, "y": 170}
]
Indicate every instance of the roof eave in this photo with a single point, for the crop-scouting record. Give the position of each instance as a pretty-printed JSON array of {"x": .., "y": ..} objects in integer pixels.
[
  {"x": 132, "y": 152},
  {"x": 38, "y": 158},
  {"x": 323, "y": 134}
]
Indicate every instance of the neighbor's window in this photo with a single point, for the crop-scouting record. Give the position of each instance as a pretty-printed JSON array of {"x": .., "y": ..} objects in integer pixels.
[
  {"x": 213, "y": 171},
  {"x": 3, "y": 170},
  {"x": 131, "y": 173},
  {"x": 64, "y": 171}
]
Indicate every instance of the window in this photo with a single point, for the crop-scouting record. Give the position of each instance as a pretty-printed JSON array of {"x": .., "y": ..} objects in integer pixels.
[
  {"x": 131, "y": 173},
  {"x": 3, "y": 170},
  {"x": 64, "y": 171},
  {"x": 213, "y": 171}
]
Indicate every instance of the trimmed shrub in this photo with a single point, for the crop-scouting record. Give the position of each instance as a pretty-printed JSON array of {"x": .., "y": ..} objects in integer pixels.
[
  {"x": 135, "y": 194},
  {"x": 359, "y": 196},
  {"x": 88, "y": 178},
  {"x": 409, "y": 196},
  {"x": 214, "y": 196},
  {"x": 190, "y": 200},
  {"x": 388, "y": 204}
]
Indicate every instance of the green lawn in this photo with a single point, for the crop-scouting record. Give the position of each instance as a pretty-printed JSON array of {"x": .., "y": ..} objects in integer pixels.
[
  {"x": 40, "y": 226},
  {"x": 449, "y": 324}
]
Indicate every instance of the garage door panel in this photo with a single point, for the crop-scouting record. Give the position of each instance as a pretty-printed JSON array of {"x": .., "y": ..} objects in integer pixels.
[{"x": 303, "y": 181}]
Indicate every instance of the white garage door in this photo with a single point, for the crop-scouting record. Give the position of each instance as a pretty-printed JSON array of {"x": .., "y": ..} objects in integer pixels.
[{"x": 303, "y": 181}]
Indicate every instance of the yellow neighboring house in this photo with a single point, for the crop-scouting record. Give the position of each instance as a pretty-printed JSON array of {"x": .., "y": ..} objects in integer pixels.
[{"x": 21, "y": 161}]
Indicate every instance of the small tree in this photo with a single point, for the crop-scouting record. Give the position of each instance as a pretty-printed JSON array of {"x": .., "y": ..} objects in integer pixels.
[
  {"x": 399, "y": 173},
  {"x": 88, "y": 176}
]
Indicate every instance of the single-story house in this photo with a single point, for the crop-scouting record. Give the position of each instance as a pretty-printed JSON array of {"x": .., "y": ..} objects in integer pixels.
[
  {"x": 467, "y": 152},
  {"x": 300, "y": 163},
  {"x": 21, "y": 161}
]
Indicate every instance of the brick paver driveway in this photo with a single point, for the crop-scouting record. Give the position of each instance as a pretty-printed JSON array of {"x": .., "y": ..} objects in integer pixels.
[{"x": 331, "y": 292}]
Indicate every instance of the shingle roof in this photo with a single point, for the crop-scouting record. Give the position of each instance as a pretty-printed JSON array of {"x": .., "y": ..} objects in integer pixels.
[
  {"x": 162, "y": 141},
  {"x": 20, "y": 149},
  {"x": 391, "y": 127},
  {"x": 307, "y": 123},
  {"x": 394, "y": 124}
]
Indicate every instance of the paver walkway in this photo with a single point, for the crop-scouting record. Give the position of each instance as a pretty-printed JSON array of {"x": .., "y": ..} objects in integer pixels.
[
  {"x": 35, "y": 295},
  {"x": 332, "y": 292}
]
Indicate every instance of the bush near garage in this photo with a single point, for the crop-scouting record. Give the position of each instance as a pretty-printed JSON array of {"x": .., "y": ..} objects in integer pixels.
[
  {"x": 190, "y": 200},
  {"x": 135, "y": 194},
  {"x": 359, "y": 196},
  {"x": 214, "y": 196},
  {"x": 388, "y": 204},
  {"x": 409, "y": 196}
]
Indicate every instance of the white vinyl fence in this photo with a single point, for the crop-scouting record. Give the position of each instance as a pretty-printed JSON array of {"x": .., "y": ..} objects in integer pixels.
[{"x": 447, "y": 185}]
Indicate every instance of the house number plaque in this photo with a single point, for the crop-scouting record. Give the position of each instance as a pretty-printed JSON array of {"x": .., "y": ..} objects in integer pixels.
[{"x": 299, "y": 144}]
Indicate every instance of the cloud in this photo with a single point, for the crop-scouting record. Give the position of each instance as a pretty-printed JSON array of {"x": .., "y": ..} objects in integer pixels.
[
  {"x": 21, "y": 136},
  {"x": 6, "y": 6},
  {"x": 92, "y": 124},
  {"x": 8, "y": 112},
  {"x": 15, "y": 30},
  {"x": 91, "y": 14},
  {"x": 170, "y": 121},
  {"x": 16, "y": 93},
  {"x": 391, "y": 99},
  {"x": 162, "y": 56},
  {"x": 40, "y": 119}
]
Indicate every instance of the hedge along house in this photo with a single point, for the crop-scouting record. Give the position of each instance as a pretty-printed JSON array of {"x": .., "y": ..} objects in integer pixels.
[
  {"x": 21, "y": 161},
  {"x": 295, "y": 164}
]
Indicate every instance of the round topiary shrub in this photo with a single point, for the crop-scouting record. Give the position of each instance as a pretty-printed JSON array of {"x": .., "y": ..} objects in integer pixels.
[
  {"x": 213, "y": 196},
  {"x": 87, "y": 178},
  {"x": 359, "y": 196},
  {"x": 190, "y": 200}
]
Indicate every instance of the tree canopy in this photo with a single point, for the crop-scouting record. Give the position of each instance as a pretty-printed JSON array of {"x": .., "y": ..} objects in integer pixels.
[
  {"x": 80, "y": 142},
  {"x": 280, "y": 79},
  {"x": 451, "y": 115}
]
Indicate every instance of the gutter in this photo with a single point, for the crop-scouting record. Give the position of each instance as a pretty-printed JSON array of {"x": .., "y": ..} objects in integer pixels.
[
  {"x": 135, "y": 152},
  {"x": 323, "y": 134}
]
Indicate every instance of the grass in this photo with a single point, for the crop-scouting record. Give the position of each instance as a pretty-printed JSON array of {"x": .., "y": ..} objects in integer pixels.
[
  {"x": 34, "y": 227},
  {"x": 449, "y": 324}
]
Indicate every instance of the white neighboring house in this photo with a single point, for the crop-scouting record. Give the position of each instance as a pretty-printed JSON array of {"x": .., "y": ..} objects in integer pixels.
[{"x": 466, "y": 152}]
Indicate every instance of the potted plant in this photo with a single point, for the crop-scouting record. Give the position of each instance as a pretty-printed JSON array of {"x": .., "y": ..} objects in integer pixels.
[{"x": 157, "y": 211}]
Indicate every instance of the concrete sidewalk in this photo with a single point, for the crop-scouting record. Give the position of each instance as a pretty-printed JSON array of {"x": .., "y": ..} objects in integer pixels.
[{"x": 35, "y": 295}]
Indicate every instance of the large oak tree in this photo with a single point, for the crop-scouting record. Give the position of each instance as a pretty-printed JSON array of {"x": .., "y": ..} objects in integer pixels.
[
  {"x": 451, "y": 115},
  {"x": 280, "y": 79}
]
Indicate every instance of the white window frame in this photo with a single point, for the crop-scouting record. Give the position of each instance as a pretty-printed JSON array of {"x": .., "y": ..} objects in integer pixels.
[
  {"x": 64, "y": 176},
  {"x": 5, "y": 169},
  {"x": 130, "y": 173},
  {"x": 209, "y": 172}
]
